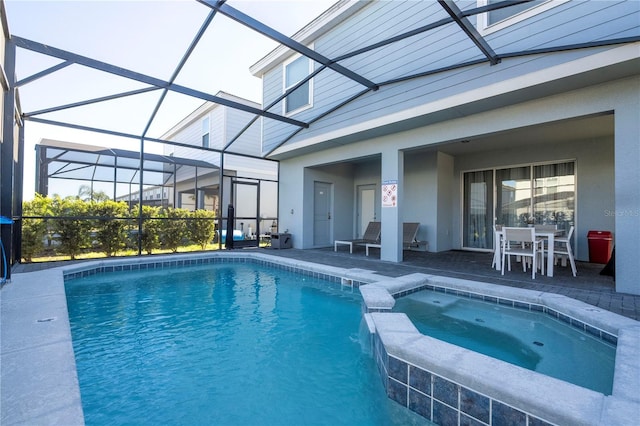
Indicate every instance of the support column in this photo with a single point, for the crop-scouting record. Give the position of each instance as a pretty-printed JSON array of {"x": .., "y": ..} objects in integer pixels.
[
  {"x": 627, "y": 196},
  {"x": 392, "y": 175}
]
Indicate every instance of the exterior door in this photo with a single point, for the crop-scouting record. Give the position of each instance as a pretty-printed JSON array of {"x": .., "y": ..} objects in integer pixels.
[
  {"x": 322, "y": 213},
  {"x": 477, "y": 222},
  {"x": 366, "y": 207},
  {"x": 246, "y": 202}
]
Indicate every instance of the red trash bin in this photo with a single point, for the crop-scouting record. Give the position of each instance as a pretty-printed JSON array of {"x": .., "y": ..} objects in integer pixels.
[{"x": 600, "y": 245}]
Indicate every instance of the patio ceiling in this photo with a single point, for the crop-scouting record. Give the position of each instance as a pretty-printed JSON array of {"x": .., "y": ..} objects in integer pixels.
[{"x": 163, "y": 90}]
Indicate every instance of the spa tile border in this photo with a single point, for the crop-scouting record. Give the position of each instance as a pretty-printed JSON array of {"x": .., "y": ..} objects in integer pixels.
[{"x": 441, "y": 400}]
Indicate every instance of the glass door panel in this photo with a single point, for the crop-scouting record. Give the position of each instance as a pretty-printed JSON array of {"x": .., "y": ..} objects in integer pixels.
[
  {"x": 478, "y": 206},
  {"x": 513, "y": 196},
  {"x": 554, "y": 194}
]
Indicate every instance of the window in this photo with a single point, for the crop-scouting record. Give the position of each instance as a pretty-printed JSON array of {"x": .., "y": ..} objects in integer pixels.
[
  {"x": 294, "y": 72},
  {"x": 205, "y": 132},
  {"x": 502, "y": 18},
  {"x": 502, "y": 14}
]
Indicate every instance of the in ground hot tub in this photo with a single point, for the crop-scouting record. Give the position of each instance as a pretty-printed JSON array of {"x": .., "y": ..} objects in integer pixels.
[{"x": 449, "y": 384}]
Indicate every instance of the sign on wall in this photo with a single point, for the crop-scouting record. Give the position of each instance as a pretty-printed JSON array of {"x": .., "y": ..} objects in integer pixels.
[{"x": 390, "y": 193}]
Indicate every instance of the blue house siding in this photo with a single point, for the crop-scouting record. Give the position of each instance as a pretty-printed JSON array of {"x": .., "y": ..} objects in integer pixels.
[
  {"x": 571, "y": 22},
  {"x": 377, "y": 22},
  {"x": 414, "y": 93},
  {"x": 247, "y": 143}
]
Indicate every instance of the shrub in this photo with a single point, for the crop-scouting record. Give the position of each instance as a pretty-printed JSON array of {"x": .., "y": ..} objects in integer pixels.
[
  {"x": 34, "y": 230},
  {"x": 202, "y": 227},
  {"x": 111, "y": 227},
  {"x": 150, "y": 239},
  {"x": 173, "y": 228},
  {"x": 71, "y": 227}
]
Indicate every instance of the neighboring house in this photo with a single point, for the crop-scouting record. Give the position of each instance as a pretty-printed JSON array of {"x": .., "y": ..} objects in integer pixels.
[
  {"x": 155, "y": 196},
  {"x": 249, "y": 181},
  {"x": 531, "y": 114}
]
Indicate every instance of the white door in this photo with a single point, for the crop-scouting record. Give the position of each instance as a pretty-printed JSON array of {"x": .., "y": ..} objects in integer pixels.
[
  {"x": 322, "y": 212},
  {"x": 366, "y": 207}
]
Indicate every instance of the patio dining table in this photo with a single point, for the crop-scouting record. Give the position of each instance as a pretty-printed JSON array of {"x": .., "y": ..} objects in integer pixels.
[{"x": 549, "y": 235}]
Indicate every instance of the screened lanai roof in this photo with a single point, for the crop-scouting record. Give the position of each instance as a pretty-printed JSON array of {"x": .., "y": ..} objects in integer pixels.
[
  {"x": 66, "y": 160},
  {"x": 136, "y": 84}
]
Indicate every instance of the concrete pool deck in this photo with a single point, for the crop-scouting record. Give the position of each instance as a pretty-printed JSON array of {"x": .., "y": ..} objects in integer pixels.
[{"x": 39, "y": 380}]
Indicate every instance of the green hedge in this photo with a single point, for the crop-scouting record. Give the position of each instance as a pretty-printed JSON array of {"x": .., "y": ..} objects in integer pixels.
[{"x": 71, "y": 226}]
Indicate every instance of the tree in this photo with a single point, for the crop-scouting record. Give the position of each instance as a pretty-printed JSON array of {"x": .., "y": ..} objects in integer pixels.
[
  {"x": 173, "y": 228},
  {"x": 71, "y": 227},
  {"x": 86, "y": 193},
  {"x": 111, "y": 227},
  {"x": 202, "y": 227},
  {"x": 34, "y": 230}
]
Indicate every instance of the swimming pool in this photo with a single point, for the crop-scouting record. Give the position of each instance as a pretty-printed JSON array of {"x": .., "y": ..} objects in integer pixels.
[
  {"x": 438, "y": 380},
  {"x": 521, "y": 337},
  {"x": 223, "y": 344}
]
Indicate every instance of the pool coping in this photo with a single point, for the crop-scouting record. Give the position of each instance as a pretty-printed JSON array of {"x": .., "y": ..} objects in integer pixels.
[
  {"x": 39, "y": 378},
  {"x": 400, "y": 350}
]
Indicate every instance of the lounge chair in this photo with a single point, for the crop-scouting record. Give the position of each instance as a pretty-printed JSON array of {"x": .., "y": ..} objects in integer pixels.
[
  {"x": 371, "y": 235},
  {"x": 409, "y": 238}
]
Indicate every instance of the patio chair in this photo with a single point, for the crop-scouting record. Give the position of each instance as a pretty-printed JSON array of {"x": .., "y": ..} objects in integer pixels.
[
  {"x": 371, "y": 235},
  {"x": 544, "y": 228},
  {"x": 409, "y": 238},
  {"x": 410, "y": 235},
  {"x": 521, "y": 242},
  {"x": 497, "y": 250},
  {"x": 562, "y": 247}
]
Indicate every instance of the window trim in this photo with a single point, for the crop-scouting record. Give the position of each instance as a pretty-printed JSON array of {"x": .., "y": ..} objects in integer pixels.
[
  {"x": 285, "y": 87},
  {"x": 206, "y": 120},
  {"x": 486, "y": 29}
]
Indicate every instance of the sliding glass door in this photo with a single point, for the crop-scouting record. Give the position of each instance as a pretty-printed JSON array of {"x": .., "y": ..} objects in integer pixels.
[
  {"x": 513, "y": 197},
  {"x": 524, "y": 195},
  {"x": 554, "y": 200},
  {"x": 478, "y": 207}
]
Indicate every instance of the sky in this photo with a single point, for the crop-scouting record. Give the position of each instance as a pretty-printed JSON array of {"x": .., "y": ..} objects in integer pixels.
[{"x": 145, "y": 36}]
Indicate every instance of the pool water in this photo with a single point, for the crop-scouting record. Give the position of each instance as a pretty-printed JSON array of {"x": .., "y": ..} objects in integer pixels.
[
  {"x": 234, "y": 344},
  {"x": 528, "y": 339}
]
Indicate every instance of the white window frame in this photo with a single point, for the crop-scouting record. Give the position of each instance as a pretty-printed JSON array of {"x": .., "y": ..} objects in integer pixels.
[
  {"x": 285, "y": 87},
  {"x": 484, "y": 28}
]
